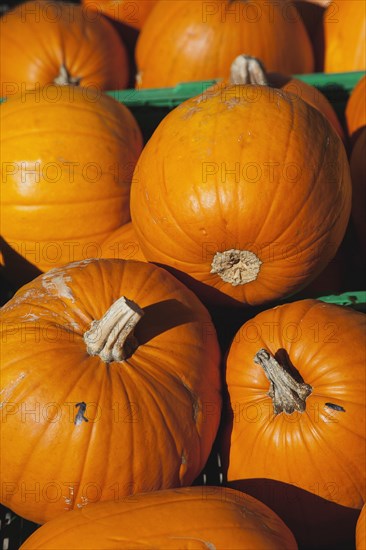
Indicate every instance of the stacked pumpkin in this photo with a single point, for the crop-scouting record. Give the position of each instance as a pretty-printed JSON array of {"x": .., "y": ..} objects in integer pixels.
[{"x": 112, "y": 378}]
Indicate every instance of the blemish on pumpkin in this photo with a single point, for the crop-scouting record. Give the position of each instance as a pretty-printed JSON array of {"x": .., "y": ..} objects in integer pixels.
[
  {"x": 79, "y": 418},
  {"x": 206, "y": 543},
  {"x": 84, "y": 502},
  {"x": 184, "y": 460},
  {"x": 190, "y": 112},
  {"x": 6, "y": 392},
  {"x": 30, "y": 317},
  {"x": 58, "y": 285},
  {"x": 335, "y": 407}
]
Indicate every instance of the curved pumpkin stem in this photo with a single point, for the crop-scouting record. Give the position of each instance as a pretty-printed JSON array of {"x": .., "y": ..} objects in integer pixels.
[
  {"x": 237, "y": 267},
  {"x": 246, "y": 69},
  {"x": 65, "y": 79},
  {"x": 112, "y": 338},
  {"x": 286, "y": 393}
]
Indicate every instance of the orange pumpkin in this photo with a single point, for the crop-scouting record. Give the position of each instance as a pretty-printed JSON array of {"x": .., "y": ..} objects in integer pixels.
[
  {"x": 130, "y": 13},
  {"x": 64, "y": 45},
  {"x": 198, "y": 40},
  {"x": 295, "y": 431},
  {"x": 110, "y": 385},
  {"x": 356, "y": 109},
  {"x": 361, "y": 530},
  {"x": 67, "y": 167},
  {"x": 243, "y": 193},
  {"x": 358, "y": 175},
  {"x": 123, "y": 244},
  {"x": 191, "y": 517},
  {"x": 344, "y": 27},
  {"x": 250, "y": 70}
]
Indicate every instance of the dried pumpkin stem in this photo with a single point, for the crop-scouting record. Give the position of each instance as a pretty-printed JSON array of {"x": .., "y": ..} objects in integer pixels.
[
  {"x": 236, "y": 267},
  {"x": 112, "y": 338},
  {"x": 246, "y": 69},
  {"x": 286, "y": 393},
  {"x": 65, "y": 79}
]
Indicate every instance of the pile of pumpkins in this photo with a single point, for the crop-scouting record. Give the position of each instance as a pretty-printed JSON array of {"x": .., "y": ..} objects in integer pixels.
[{"x": 160, "y": 306}]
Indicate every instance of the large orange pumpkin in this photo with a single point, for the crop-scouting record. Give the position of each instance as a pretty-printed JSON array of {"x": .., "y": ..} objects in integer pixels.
[
  {"x": 244, "y": 193},
  {"x": 361, "y": 530},
  {"x": 59, "y": 43},
  {"x": 344, "y": 27},
  {"x": 356, "y": 109},
  {"x": 295, "y": 431},
  {"x": 214, "y": 518},
  {"x": 67, "y": 162},
  {"x": 186, "y": 40},
  {"x": 130, "y": 13},
  {"x": 123, "y": 244},
  {"x": 97, "y": 402},
  {"x": 250, "y": 70}
]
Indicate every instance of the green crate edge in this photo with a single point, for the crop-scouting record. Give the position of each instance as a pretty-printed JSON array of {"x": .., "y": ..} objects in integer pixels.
[{"x": 333, "y": 84}]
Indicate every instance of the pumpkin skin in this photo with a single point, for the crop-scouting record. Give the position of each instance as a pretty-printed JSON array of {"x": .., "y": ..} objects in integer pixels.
[
  {"x": 212, "y": 517},
  {"x": 59, "y": 34},
  {"x": 198, "y": 40},
  {"x": 152, "y": 418},
  {"x": 308, "y": 466},
  {"x": 344, "y": 30},
  {"x": 133, "y": 14},
  {"x": 44, "y": 216},
  {"x": 123, "y": 245},
  {"x": 358, "y": 175},
  {"x": 355, "y": 112},
  {"x": 361, "y": 530},
  {"x": 210, "y": 190}
]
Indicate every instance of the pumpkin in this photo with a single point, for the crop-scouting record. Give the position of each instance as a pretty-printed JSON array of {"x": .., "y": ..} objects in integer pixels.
[
  {"x": 241, "y": 216},
  {"x": 344, "y": 28},
  {"x": 67, "y": 167},
  {"x": 198, "y": 40},
  {"x": 119, "y": 364},
  {"x": 358, "y": 175},
  {"x": 250, "y": 70},
  {"x": 64, "y": 45},
  {"x": 355, "y": 111},
  {"x": 190, "y": 517},
  {"x": 295, "y": 420},
  {"x": 123, "y": 244},
  {"x": 361, "y": 530},
  {"x": 130, "y": 13}
]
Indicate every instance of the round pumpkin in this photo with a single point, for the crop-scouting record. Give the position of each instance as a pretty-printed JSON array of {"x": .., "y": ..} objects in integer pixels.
[
  {"x": 361, "y": 530},
  {"x": 198, "y": 40},
  {"x": 344, "y": 27},
  {"x": 250, "y": 70},
  {"x": 133, "y": 14},
  {"x": 244, "y": 193},
  {"x": 295, "y": 429},
  {"x": 190, "y": 517},
  {"x": 110, "y": 386},
  {"x": 123, "y": 244},
  {"x": 67, "y": 162},
  {"x": 355, "y": 111},
  {"x": 54, "y": 42}
]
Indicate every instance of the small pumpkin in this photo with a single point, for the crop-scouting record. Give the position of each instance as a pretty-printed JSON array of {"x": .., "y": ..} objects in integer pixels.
[
  {"x": 64, "y": 45},
  {"x": 344, "y": 28},
  {"x": 361, "y": 530},
  {"x": 190, "y": 517},
  {"x": 295, "y": 422},
  {"x": 123, "y": 244},
  {"x": 133, "y": 14},
  {"x": 246, "y": 69},
  {"x": 239, "y": 215},
  {"x": 67, "y": 167},
  {"x": 119, "y": 363},
  {"x": 198, "y": 40},
  {"x": 355, "y": 111}
]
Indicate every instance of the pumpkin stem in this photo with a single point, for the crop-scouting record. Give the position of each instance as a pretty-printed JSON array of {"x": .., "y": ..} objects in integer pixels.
[
  {"x": 112, "y": 338},
  {"x": 286, "y": 393},
  {"x": 236, "y": 266},
  {"x": 65, "y": 79},
  {"x": 246, "y": 69}
]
